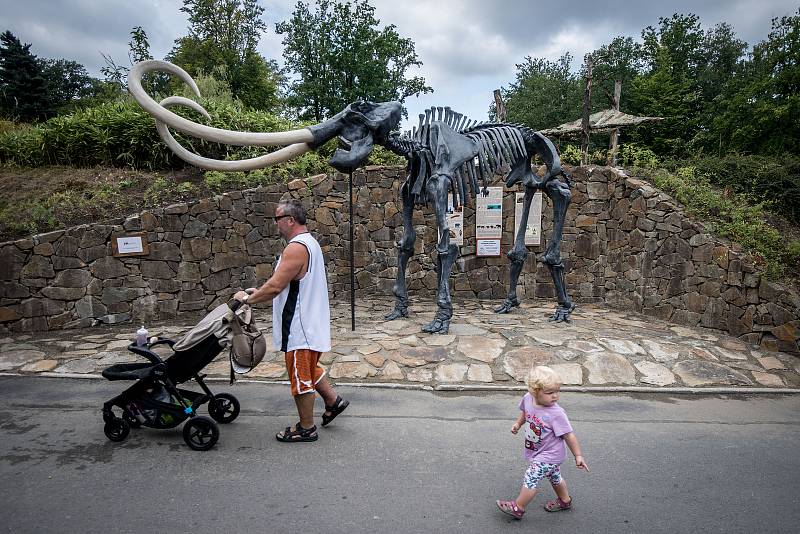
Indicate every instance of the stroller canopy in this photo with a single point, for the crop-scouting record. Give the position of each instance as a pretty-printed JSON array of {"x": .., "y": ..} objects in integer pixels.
[{"x": 217, "y": 322}]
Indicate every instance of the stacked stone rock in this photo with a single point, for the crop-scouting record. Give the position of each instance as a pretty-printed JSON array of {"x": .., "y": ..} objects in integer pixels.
[
  {"x": 625, "y": 243},
  {"x": 644, "y": 253}
]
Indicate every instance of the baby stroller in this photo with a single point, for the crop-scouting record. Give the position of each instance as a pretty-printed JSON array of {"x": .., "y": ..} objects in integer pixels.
[{"x": 155, "y": 401}]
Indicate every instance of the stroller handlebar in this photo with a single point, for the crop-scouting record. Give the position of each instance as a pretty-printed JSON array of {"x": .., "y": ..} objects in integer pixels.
[
  {"x": 144, "y": 350},
  {"x": 161, "y": 341}
]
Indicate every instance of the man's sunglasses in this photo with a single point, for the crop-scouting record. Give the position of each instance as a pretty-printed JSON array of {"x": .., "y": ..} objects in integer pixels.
[{"x": 279, "y": 217}]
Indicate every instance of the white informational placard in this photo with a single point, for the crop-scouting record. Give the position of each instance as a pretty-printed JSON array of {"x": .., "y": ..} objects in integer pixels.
[
  {"x": 489, "y": 214},
  {"x": 130, "y": 245},
  {"x": 533, "y": 229},
  {"x": 487, "y": 247},
  {"x": 489, "y": 222},
  {"x": 455, "y": 222}
]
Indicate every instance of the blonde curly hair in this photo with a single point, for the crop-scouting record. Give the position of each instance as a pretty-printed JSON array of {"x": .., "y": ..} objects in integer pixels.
[{"x": 542, "y": 377}]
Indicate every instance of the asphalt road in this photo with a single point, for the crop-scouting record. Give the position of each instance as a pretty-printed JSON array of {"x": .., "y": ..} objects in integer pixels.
[{"x": 396, "y": 461}]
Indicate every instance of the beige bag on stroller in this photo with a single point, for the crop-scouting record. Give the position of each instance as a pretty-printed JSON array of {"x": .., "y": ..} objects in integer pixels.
[{"x": 248, "y": 345}]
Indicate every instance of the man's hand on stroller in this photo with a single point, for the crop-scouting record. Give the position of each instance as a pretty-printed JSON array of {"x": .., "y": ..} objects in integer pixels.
[{"x": 241, "y": 296}]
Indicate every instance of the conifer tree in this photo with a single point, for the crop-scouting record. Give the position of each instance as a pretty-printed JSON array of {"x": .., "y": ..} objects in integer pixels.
[{"x": 23, "y": 91}]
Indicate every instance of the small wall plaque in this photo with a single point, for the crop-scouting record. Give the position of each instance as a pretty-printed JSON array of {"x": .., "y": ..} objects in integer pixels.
[{"x": 134, "y": 244}]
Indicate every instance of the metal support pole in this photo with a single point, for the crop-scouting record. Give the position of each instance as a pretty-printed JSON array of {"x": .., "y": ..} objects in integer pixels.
[{"x": 352, "y": 264}]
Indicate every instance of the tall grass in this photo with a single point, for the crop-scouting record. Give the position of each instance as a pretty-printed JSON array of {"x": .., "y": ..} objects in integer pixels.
[{"x": 122, "y": 134}]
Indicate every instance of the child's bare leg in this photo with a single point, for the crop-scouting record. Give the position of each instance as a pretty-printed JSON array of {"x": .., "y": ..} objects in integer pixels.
[
  {"x": 561, "y": 491},
  {"x": 525, "y": 497}
]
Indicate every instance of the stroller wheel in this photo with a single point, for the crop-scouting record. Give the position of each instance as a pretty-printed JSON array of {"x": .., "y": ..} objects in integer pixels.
[
  {"x": 224, "y": 408},
  {"x": 117, "y": 429},
  {"x": 131, "y": 419},
  {"x": 200, "y": 433}
]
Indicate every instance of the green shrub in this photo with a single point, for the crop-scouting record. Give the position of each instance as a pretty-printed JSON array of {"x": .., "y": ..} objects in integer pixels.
[
  {"x": 115, "y": 133},
  {"x": 219, "y": 181},
  {"x": 599, "y": 157},
  {"x": 7, "y": 126},
  {"x": 185, "y": 188},
  {"x": 28, "y": 218},
  {"x": 774, "y": 181},
  {"x": 159, "y": 191},
  {"x": 633, "y": 155},
  {"x": 732, "y": 216},
  {"x": 382, "y": 156},
  {"x": 571, "y": 155},
  {"x": 122, "y": 134}
]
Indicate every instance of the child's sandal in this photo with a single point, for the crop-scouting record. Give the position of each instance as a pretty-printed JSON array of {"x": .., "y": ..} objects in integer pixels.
[
  {"x": 510, "y": 508},
  {"x": 557, "y": 505}
]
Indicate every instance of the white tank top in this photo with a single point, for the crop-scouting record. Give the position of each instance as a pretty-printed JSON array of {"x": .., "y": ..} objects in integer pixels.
[{"x": 301, "y": 314}]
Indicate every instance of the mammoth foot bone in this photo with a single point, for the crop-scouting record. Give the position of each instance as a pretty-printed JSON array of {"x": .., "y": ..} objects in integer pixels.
[
  {"x": 437, "y": 326},
  {"x": 507, "y": 305},
  {"x": 562, "y": 313},
  {"x": 396, "y": 313}
]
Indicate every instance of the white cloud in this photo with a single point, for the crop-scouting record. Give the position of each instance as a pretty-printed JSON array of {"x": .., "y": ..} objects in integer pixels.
[{"x": 468, "y": 47}]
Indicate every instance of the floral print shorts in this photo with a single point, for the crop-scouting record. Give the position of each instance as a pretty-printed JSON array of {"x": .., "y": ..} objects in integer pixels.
[{"x": 539, "y": 470}]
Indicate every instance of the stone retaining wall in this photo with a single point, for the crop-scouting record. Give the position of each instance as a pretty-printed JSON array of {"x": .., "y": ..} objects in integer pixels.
[{"x": 625, "y": 243}]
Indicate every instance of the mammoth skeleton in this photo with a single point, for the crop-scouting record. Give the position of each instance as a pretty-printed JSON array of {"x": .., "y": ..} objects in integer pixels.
[{"x": 446, "y": 153}]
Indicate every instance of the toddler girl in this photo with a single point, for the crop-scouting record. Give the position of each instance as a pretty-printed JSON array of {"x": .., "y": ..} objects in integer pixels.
[{"x": 546, "y": 429}]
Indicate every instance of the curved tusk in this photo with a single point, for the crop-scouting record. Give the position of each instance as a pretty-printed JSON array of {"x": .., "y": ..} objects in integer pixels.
[
  {"x": 228, "y": 137},
  {"x": 279, "y": 156},
  {"x": 187, "y": 102}
]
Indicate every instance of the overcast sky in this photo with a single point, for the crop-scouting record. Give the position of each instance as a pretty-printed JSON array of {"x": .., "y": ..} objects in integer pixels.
[{"x": 468, "y": 47}]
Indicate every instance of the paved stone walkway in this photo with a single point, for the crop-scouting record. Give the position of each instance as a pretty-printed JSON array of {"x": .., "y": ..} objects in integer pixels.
[{"x": 601, "y": 347}]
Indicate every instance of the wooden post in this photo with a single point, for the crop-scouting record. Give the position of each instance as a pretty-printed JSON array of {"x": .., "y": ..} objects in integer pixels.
[
  {"x": 587, "y": 96},
  {"x": 612, "y": 142},
  {"x": 500, "y": 107}
]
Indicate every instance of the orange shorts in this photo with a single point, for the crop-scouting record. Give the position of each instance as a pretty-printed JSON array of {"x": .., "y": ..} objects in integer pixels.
[{"x": 304, "y": 370}]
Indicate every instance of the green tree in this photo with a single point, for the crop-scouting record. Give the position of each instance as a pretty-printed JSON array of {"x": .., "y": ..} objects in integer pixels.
[
  {"x": 222, "y": 40},
  {"x": 339, "y": 56},
  {"x": 720, "y": 71},
  {"x": 67, "y": 83},
  {"x": 722, "y": 55},
  {"x": 661, "y": 94},
  {"x": 673, "y": 57},
  {"x": 23, "y": 89},
  {"x": 116, "y": 76},
  {"x": 758, "y": 114},
  {"x": 139, "y": 50},
  {"x": 681, "y": 37},
  {"x": 621, "y": 60},
  {"x": 545, "y": 93}
]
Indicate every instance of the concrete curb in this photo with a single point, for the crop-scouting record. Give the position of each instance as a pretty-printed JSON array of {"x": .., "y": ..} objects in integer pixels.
[{"x": 476, "y": 387}]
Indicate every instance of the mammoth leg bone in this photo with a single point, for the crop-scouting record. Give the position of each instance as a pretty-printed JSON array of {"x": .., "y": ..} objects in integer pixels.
[
  {"x": 517, "y": 256},
  {"x": 560, "y": 195},
  {"x": 405, "y": 249},
  {"x": 446, "y": 256}
]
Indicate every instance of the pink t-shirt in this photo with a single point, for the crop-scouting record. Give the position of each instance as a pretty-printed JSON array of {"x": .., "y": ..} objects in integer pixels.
[{"x": 544, "y": 430}]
